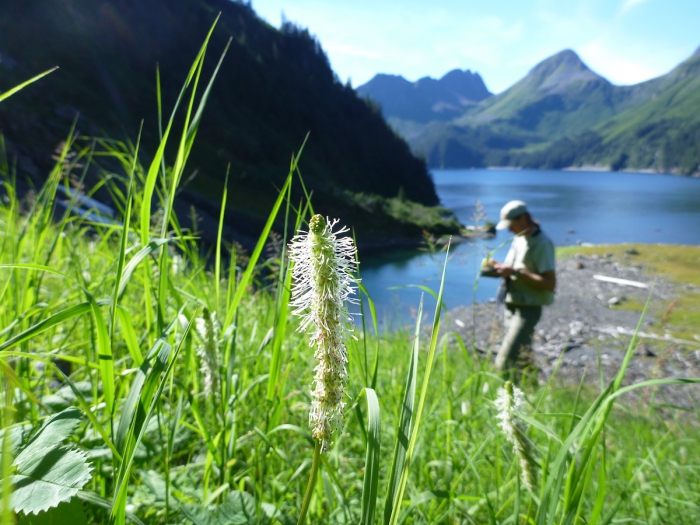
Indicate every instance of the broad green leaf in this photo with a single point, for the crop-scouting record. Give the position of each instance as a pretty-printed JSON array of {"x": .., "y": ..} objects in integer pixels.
[
  {"x": 238, "y": 509},
  {"x": 67, "y": 512},
  {"x": 53, "y": 431},
  {"x": 46, "y": 474}
]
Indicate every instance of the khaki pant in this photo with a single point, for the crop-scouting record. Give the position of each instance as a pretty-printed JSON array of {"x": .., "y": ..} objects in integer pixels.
[{"x": 520, "y": 324}]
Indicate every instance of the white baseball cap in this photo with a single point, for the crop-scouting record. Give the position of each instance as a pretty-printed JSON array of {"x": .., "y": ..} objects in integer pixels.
[{"x": 510, "y": 211}]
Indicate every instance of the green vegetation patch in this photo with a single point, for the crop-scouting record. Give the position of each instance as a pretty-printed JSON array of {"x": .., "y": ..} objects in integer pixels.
[{"x": 628, "y": 304}]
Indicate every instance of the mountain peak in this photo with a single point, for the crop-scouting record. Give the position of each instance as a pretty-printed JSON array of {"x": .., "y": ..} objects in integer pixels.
[
  {"x": 427, "y": 98},
  {"x": 566, "y": 59},
  {"x": 556, "y": 73}
]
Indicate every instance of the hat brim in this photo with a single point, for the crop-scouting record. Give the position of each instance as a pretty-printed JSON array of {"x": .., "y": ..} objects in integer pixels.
[{"x": 503, "y": 224}]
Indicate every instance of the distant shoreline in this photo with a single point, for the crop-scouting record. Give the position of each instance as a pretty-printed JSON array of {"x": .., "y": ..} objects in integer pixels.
[{"x": 588, "y": 167}]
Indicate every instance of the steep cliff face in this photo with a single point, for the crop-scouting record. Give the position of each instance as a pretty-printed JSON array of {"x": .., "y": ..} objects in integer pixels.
[{"x": 275, "y": 85}]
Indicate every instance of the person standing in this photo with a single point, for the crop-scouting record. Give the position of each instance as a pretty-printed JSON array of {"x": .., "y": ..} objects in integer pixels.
[{"x": 529, "y": 273}]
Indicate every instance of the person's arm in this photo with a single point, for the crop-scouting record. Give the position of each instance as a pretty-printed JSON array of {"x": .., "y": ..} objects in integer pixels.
[{"x": 545, "y": 281}]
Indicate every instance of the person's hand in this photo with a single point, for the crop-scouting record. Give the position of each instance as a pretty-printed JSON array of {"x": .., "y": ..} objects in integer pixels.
[
  {"x": 488, "y": 264},
  {"x": 504, "y": 270}
]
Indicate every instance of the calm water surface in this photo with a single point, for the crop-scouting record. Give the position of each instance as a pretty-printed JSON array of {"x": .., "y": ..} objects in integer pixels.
[{"x": 572, "y": 207}]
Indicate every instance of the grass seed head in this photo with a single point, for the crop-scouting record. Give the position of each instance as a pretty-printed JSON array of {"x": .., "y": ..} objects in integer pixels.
[
  {"x": 208, "y": 351},
  {"x": 509, "y": 401},
  {"x": 322, "y": 282}
]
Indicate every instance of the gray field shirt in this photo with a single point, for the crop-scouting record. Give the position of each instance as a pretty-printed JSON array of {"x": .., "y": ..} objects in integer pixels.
[{"x": 534, "y": 253}]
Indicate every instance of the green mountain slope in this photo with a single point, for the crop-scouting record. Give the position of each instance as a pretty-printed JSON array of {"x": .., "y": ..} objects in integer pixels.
[
  {"x": 274, "y": 87},
  {"x": 661, "y": 132},
  {"x": 563, "y": 114},
  {"x": 672, "y": 96},
  {"x": 558, "y": 96}
]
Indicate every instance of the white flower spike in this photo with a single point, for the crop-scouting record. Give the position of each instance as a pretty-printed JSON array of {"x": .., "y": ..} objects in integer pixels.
[
  {"x": 509, "y": 401},
  {"x": 322, "y": 282},
  {"x": 208, "y": 330}
]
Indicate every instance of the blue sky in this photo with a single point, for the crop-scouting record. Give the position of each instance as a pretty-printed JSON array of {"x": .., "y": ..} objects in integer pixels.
[{"x": 627, "y": 41}]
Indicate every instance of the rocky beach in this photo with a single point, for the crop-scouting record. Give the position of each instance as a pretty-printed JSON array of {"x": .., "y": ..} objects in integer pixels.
[{"x": 593, "y": 320}]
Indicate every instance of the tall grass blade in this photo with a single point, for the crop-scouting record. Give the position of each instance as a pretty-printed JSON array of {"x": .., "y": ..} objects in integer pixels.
[
  {"x": 122, "y": 245},
  {"x": 404, "y": 430},
  {"x": 12, "y": 377},
  {"x": 104, "y": 355},
  {"x": 219, "y": 233},
  {"x": 371, "y": 478},
  {"x": 130, "y": 416},
  {"x": 282, "y": 298},
  {"x": 156, "y": 162},
  {"x": 158, "y": 376},
  {"x": 54, "y": 320},
  {"x": 588, "y": 429},
  {"x": 248, "y": 273},
  {"x": 144, "y": 252},
  {"x": 129, "y": 335},
  {"x": 15, "y": 89},
  {"x": 424, "y": 391},
  {"x": 98, "y": 501}
]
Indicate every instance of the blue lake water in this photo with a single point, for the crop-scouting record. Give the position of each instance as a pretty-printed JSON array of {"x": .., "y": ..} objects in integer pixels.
[{"x": 572, "y": 207}]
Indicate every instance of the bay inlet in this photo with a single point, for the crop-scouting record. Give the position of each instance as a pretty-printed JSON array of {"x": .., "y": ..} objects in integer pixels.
[{"x": 573, "y": 207}]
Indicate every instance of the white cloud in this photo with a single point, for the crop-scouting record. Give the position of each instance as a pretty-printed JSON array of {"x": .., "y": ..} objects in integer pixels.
[
  {"x": 617, "y": 68},
  {"x": 629, "y": 4}
]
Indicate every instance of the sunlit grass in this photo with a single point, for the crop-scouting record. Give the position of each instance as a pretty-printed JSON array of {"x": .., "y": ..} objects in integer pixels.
[{"x": 113, "y": 319}]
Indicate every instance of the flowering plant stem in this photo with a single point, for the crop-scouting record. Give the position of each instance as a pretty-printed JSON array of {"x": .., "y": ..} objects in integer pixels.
[{"x": 312, "y": 482}]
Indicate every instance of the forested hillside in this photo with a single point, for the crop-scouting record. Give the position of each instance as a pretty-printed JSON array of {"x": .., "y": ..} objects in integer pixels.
[{"x": 274, "y": 86}]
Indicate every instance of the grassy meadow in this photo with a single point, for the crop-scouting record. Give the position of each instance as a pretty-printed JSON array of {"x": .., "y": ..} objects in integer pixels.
[{"x": 145, "y": 380}]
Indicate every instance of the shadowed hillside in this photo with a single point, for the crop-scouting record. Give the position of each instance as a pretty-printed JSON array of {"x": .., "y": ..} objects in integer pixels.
[{"x": 274, "y": 86}]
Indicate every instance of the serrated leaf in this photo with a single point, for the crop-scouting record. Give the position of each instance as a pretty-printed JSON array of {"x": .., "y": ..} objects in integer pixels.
[
  {"x": 155, "y": 483},
  {"x": 271, "y": 512},
  {"x": 57, "y": 428},
  {"x": 69, "y": 512},
  {"x": 43, "y": 481},
  {"x": 201, "y": 515},
  {"x": 238, "y": 509},
  {"x": 16, "y": 436},
  {"x": 44, "y": 473}
]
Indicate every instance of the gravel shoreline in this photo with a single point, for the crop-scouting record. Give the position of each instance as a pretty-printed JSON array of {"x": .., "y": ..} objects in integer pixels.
[{"x": 588, "y": 317}]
